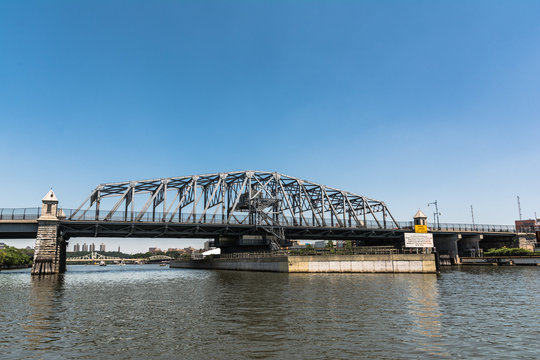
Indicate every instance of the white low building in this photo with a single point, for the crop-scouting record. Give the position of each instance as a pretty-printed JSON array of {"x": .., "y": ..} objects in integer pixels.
[{"x": 216, "y": 251}]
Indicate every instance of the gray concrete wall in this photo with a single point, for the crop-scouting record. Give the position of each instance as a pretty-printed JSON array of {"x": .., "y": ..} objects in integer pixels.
[
  {"x": 391, "y": 263},
  {"x": 272, "y": 264}
]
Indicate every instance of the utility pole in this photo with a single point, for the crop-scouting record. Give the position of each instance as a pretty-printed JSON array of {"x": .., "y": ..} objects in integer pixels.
[
  {"x": 436, "y": 214},
  {"x": 472, "y": 215},
  {"x": 519, "y": 208}
]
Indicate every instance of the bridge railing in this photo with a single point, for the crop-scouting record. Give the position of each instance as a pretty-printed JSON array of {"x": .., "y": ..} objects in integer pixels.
[
  {"x": 244, "y": 219},
  {"x": 19, "y": 213},
  {"x": 363, "y": 250},
  {"x": 471, "y": 227}
]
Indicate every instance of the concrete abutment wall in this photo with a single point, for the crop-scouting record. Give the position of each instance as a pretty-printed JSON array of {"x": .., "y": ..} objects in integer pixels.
[{"x": 388, "y": 263}]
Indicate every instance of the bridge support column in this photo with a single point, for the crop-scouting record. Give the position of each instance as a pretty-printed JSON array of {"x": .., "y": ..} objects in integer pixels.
[
  {"x": 526, "y": 241},
  {"x": 50, "y": 247},
  {"x": 447, "y": 244},
  {"x": 469, "y": 245}
]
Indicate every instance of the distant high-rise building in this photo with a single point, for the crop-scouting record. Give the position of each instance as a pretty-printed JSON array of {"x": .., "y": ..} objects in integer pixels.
[
  {"x": 102, "y": 247},
  {"x": 76, "y": 247},
  {"x": 92, "y": 247},
  {"x": 85, "y": 247},
  {"x": 119, "y": 249}
]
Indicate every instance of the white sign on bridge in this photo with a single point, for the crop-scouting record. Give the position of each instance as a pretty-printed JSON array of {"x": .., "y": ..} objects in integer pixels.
[{"x": 418, "y": 240}]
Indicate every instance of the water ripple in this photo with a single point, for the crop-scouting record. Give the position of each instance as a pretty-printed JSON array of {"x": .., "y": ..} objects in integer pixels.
[{"x": 140, "y": 312}]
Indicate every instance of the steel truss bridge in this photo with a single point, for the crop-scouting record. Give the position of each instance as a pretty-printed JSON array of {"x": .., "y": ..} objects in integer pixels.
[
  {"x": 94, "y": 256},
  {"x": 245, "y": 206},
  {"x": 247, "y": 197},
  {"x": 245, "y": 202}
]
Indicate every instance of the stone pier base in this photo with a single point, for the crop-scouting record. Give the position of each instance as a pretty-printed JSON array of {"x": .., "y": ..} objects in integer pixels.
[{"x": 50, "y": 250}]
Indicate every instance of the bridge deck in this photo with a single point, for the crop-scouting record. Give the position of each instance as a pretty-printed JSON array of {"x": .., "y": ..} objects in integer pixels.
[
  {"x": 28, "y": 229},
  {"x": 22, "y": 223}
]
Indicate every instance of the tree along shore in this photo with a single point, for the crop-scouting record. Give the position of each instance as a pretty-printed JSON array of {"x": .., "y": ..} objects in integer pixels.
[{"x": 13, "y": 258}]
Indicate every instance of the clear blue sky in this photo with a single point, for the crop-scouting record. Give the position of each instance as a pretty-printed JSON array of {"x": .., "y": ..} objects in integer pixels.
[{"x": 403, "y": 101}]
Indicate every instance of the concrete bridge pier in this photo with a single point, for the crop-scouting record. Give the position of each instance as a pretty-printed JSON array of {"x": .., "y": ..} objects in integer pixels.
[
  {"x": 447, "y": 244},
  {"x": 526, "y": 241},
  {"x": 50, "y": 247},
  {"x": 469, "y": 245}
]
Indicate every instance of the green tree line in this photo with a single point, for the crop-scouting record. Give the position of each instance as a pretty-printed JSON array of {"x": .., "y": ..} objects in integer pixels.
[
  {"x": 508, "y": 252},
  {"x": 10, "y": 256}
]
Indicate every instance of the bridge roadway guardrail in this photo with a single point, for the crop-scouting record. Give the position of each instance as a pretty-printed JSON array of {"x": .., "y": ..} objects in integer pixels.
[
  {"x": 243, "y": 219},
  {"x": 471, "y": 227},
  {"x": 363, "y": 250},
  {"x": 19, "y": 213}
]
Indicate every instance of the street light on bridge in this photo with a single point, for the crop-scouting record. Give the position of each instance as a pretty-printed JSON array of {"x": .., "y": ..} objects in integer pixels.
[{"x": 436, "y": 214}]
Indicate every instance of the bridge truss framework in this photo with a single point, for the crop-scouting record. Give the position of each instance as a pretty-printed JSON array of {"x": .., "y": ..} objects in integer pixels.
[{"x": 237, "y": 198}]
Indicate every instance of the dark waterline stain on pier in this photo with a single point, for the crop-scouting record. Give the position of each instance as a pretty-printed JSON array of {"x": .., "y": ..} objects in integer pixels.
[{"x": 149, "y": 311}]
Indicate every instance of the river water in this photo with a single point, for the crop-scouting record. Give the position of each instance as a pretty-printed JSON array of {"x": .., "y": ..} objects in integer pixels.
[{"x": 148, "y": 311}]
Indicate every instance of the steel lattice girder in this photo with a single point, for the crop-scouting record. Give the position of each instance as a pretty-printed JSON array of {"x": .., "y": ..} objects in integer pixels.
[
  {"x": 243, "y": 197},
  {"x": 208, "y": 231}
]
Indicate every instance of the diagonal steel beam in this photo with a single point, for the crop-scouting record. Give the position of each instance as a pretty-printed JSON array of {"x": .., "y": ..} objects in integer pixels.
[
  {"x": 334, "y": 212},
  {"x": 117, "y": 205},
  {"x": 209, "y": 201},
  {"x": 237, "y": 199},
  {"x": 147, "y": 205},
  {"x": 190, "y": 185}
]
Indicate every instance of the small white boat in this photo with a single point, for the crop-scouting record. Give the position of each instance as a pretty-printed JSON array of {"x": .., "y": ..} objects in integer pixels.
[{"x": 102, "y": 263}]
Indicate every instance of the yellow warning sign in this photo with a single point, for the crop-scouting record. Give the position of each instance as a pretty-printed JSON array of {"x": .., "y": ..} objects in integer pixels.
[{"x": 420, "y": 228}]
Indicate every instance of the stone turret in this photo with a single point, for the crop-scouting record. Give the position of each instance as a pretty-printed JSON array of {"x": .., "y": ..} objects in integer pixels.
[
  {"x": 50, "y": 248},
  {"x": 420, "y": 218}
]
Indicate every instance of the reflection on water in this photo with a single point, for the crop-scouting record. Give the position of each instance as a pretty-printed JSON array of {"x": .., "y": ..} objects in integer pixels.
[
  {"x": 423, "y": 306},
  {"x": 45, "y": 314},
  {"x": 149, "y": 311}
]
